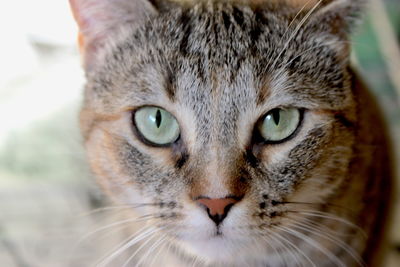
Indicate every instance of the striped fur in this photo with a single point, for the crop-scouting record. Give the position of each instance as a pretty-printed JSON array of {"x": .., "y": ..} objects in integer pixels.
[{"x": 318, "y": 199}]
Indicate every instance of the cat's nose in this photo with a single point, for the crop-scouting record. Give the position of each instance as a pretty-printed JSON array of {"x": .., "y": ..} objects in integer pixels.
[{"x": 217, "y": 208}]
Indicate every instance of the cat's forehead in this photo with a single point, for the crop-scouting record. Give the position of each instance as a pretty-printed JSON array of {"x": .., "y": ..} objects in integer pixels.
[{"x": 253, "y": 54}]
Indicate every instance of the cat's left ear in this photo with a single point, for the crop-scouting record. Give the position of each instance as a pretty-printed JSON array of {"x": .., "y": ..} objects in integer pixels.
[
  {"x": 98, "y": 20},
  {"x": 338, "y": 16}
]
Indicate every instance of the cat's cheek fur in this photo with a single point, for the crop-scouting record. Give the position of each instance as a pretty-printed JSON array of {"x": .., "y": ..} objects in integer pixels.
[
  {"x": 332, "y": 168},
  {"x": 117, "y": 184}
]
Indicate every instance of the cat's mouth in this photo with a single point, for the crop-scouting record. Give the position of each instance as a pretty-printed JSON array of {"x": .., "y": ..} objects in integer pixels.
[
  {"x": 218, "y": 232},
  {"x": 203, "y": 237}
]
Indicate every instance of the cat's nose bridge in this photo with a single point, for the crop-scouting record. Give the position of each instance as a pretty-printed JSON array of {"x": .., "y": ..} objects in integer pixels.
[
  {"x": 220, "y": 154},
  {"x": 218, "y": 173}
]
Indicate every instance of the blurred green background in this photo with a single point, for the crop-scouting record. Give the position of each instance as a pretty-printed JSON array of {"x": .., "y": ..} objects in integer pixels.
[{"x": 44, "y": 180}]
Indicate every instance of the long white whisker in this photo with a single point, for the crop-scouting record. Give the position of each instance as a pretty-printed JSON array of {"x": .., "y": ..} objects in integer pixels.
[
  {"x": 296, "y": 248},
  {"x": 131, "y": 220},
  {"x": 151, "y": 249},
  {"x": 113, "y": 231},
  {"x": 290, "y": 24},
  {"x": 295, "y": 17},
  {"x": 313, "y": 223},
  {"x": 331, "y": 217},
  {"x": 292, "y": 251},
  {"x": 313, "y": 243},
  {"x": 168, "y": 248},
  {"x": 117, "y": 247},
  {"x": 116, "y": 207},
  {"x": 132, "y": 240},
  {"x": 139, "y": 249},
  {"x": 331, "y": 238},
  {"x": 194, "y": 262},
  {"x": 282, "y": 69},
  {"x": 155, "y": 256},
  {"x": 297, "y": 29},
  {"x": 275, "y": 238},
  {"x": 110, "y": 208}
]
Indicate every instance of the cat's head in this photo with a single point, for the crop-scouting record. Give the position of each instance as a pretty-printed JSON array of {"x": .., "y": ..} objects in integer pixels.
[{"x": 218, "y": 115}]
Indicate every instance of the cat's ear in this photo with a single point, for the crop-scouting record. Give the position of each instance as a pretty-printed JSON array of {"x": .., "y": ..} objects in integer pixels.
[
  {"x": 338, "y": 16},
  {"x": 99, "y": 19}
]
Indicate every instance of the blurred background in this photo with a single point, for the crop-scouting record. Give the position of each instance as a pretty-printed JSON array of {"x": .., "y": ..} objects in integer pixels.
[{"x": 45, "y": 185}]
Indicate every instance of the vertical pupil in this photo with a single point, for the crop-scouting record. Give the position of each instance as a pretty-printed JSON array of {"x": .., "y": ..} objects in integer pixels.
[
  {"x": 158, "y": 118},
  {"x": 276, "y": 116}
]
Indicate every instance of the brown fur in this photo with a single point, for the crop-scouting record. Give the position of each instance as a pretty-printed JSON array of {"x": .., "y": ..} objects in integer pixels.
[{"x": 219, "y": 67}]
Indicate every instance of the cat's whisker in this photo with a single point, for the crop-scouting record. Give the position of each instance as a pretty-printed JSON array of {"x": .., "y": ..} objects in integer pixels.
[
  {"x": 293, "y": 253},
  {"x": 119, "y": 207},
  {"x": 194, "y": 261},
  {"x": 268, "y": 242},
  {"x": 118, "y": 246},
  {"x": 311, "y": 242},
  {"x": 198, "y": 261},
  {"x": 127, "y": 221},
  {"x": 294, "y": 19},
  {"x": 313, "y": 223},
  {"x": 283, "y": 68},
  {"x": 160, "y": 249},
  {"x": 152, "y": 248},
  {"x": 105, "y": 209},
  {"x": 275, "y": 237},
  {"x": 115, "y": 227},
  {"x": 295, "y": 32},
  {"x": 168, "y": 249},
  {"x": 334, "y": 240},
  {"x": 126, "y": 244},
  {"x": 114, "y": 230},
  {"x": 139, "y": 249},
  {"x": 317, "y": 205},
  {"x": 328, "y": 216},
  {"x": 290, "y": 25},
  {"x": 275, "y": 249},
  {"x": 290, "y": 243}
]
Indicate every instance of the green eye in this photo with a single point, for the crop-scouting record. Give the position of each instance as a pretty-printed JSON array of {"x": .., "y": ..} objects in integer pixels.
[
  {"x": 279, "y": 124},
  {"x": 156, "y": 125}
]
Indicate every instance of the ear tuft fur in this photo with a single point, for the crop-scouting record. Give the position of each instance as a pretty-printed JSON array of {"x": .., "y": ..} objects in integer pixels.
[
  {"x": 336, "y": 16},
  {"x": 340, "y": 16},
  {"x": 99, "y": 19}
]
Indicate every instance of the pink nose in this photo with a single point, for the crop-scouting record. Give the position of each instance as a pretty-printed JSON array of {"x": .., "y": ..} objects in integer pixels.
[{"x": 217, "y": 208}]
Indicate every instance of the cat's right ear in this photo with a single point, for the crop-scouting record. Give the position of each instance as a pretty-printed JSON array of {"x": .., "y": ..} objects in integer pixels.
[{"x": 98, "y": 20}]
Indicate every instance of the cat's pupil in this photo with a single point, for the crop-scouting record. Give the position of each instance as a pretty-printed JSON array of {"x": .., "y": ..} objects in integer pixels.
[
  {"x": 276, "y": 116},
  {"x": 158, "y": 118}
]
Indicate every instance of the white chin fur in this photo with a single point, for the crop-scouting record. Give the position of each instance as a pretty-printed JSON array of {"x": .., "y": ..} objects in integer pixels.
[
  {"x": 220, "y": 250},
  {"x": 211, "y": 250},
  {"x": 229, "y": 247}
]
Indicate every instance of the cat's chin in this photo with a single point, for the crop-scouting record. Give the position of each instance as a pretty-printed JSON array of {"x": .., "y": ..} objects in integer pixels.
[
  {"x": 220, "y": 249},
  {"x": 215, "y": 249}
]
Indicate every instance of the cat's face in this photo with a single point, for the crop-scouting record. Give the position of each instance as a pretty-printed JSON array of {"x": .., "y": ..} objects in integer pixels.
[{"x": 256, "y": 113}]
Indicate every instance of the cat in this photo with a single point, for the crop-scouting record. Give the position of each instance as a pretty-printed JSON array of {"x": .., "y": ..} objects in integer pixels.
[{"x": 236, "y": 130}]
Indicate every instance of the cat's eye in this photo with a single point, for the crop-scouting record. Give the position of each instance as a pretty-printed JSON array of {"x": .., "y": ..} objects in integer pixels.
[
  {"x": 156, "y": 125},
  {"x": 279, "y": 124}
]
